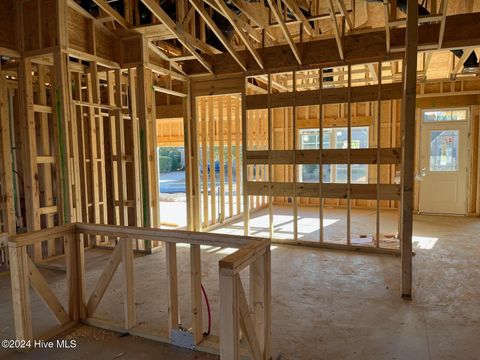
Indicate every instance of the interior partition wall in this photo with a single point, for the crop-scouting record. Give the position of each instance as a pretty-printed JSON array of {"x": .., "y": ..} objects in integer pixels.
[{"x": 328, "y": 166}]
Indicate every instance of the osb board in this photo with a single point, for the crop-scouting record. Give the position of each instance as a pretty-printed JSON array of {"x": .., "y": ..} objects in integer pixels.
[
  {"x": 39, "y": 25},
  {"x": 7, "y": 24},
  {"x": 104, "y": 45},
  {"x": 49, "y": 30},
  {"x": 31, "y": 38},
  {"x": 77, "y": 31}
]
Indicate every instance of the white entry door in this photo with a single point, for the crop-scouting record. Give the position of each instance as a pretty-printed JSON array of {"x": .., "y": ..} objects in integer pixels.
[{"x": 443, "y": 162}]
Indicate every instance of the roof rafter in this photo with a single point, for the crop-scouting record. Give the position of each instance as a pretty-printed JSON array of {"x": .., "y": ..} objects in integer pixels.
[
  {"x": 466, "y": 53},
  {"x": 336, "y": 30},
  {"x": 165, "y": 57},
  {"x": 102, "y": 4},
  {"x": 218, "y": 33},
  {"x": 292, "y": 5},
  {"x": 286, "y": 33},
  {"x": 234, "y": 21},
  {"x": 249, "y": 30},
  {"x": 157, "y": 10},
  {"x": 344, "y": 12}
]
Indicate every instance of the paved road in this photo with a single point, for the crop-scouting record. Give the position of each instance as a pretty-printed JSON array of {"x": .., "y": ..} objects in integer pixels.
[{"x": 174, "y": 182}]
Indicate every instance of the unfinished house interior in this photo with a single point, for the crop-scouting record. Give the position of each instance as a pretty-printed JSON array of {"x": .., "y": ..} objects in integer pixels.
[{"x": 239, "y": 179}]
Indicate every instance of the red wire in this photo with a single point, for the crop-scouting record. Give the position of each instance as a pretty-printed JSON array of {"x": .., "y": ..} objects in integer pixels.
[{"x": 208, "y": 310}]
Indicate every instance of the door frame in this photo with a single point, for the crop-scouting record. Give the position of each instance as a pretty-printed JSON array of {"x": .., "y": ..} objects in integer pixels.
[{"x": 421, "y": 128}]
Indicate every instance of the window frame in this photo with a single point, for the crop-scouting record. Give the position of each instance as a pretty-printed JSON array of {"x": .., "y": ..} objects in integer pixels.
[{"x": 333, "y": 167}]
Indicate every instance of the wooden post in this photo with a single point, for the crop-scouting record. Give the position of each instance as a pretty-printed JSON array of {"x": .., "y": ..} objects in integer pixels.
[
  {"x": 6, "y": 160},
  {"x": 20, "y": 292},
  {"x": 205, "y": 131},
  {"x": 143, "y": 113},
  {"x": 211, "y": 146},
  {"x": 260, "y": 292},
  {"x": 191, "y": 160},
  {"x": 128, "y": 275},
  {"x": 270, "y": 148},
  {"x": 221, "y": 157},
  {"x": 246, "y": 210},
  {"x": 75, "y": 262},
  {"x": 196, "y": 292},
  {"x": 173, "y": 310},
  {"x": 229, "y": 346},
  {"x": 408, "y": 136},
  {"x": 30, "y": 155},
  {"x": 62, "y": 111},
  {"x": 294, "y": 165}
]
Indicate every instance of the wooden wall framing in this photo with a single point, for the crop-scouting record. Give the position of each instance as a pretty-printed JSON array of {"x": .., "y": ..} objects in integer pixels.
[{"x": 287, "y": 111}]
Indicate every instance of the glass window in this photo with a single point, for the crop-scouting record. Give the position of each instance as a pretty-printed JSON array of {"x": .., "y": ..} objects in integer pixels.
[
  {"x": 445, "y": 115},
  {"x": 444, "y": 150},
  {"x": 338, "y": 137}
]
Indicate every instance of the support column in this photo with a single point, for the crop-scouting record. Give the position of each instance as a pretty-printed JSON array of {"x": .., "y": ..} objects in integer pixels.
[{"x": 408, "y": 137}]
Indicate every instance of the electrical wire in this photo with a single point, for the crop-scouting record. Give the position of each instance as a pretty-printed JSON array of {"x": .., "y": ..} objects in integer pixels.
[{"x": 208, "y": 310}]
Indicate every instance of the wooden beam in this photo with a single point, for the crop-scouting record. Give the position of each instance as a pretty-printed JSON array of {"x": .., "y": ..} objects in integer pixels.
[
  {"x": 292, "y": 5},
  {"x": 386, "y": 7},
  {"x": 104, "y": 280},
  {"x": 156, "y": 10},
  {"x": 218, "y": 33},
  {"x": 240, "y": 5},
  {"x": 359, "y": 48},
  {"x": 336, "y": 30},
  {"x": 22, "y": 313},
  {"x": 169, "y": 92},
  {"x": 276, "y": 13},
  {"x": 45, "y": 293},
  {"x": 247, "y": 28},
  {"x": 444, "y": 7},
  {"x": 408, "y": 140},
  {"x": 196, "y": 292},
  {"x": 229, "y": 341},
  {"x": 246, "y": 323},
  {"x": 344, "y": 12},
  {"x": 461, "y": 61},
  {"x": 232, "y": 18},
  {"x": 165, "y": 57},
  {"x": 6, "y": 159},
  {"x": 102, "y": 4},
  {"x": 173, "y": 309},
  {"x": 128, "y": 278}
]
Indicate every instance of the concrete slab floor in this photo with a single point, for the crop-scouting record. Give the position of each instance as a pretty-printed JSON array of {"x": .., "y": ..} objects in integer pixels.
[
  {"x": 326, "y": 304},
  {"x": 362, "y": 224}
]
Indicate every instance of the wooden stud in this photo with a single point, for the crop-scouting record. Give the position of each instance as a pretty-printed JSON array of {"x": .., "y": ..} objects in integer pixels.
[
  {"x": 20, "y": 292},
  {"x": 221, "y": 136},
  {"x": 246, "y": 210},
  {"x": 212, "y": 171},
  {"x": 196, "y": 293},
  {"x": 205, "y": 131},
  {"x": 229, "y": 156},
  {"x": 128, "y": 276},
  {"x": 229, "y": 341},
  {"x": 6, "y": 159},
  {"x": 173, "y": 308}
]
